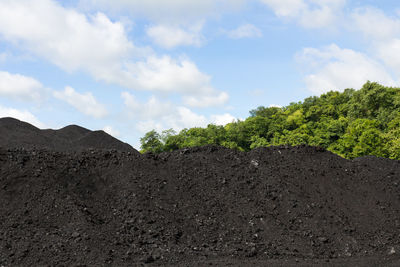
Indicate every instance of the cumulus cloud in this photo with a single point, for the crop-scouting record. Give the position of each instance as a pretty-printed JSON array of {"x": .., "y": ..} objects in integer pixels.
[
  {"x": 308, "y": 13},
  {"x": 334, "y": 68},
  {"x": 20, "y": 87},
  {"x": 389, "y": 52},
  {"x": 213, "y": 99},
  {"x": 152, "y": 109},
  {"x": 275, "y": 106},
  {"x": 22, "y": 115},
  {"x": 245, "y": 31},
  {"x": 85, "y": 103},
  {"x": 164, "y": 74},
  {"x": 98, "y": 46},
  {"x": 375, "y": 24},
  {"x": 382, "y": 31},
  {"x": 168, "y": 10},
  {"x": 169, "y": 75},
  {"x": 161, "y": 115},
  {"x": 286, "y": 8},
  {"x": 222, "y": 119},
  {"x": 168, "y": 36},
  {"x": 147, "y": 126},
  {"x": 111, "y": 131},
  {"x": 65, "y": 37}
]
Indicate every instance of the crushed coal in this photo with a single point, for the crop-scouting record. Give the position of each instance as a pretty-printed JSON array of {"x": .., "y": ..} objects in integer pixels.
[{"x": 276, "y": 206}]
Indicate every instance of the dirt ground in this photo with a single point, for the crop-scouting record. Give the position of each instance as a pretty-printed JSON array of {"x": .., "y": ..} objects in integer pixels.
[{"x": 207, "y": 206}]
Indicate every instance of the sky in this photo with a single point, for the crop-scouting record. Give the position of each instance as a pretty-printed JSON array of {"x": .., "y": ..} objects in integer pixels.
[{"x": 130, "y": 66}]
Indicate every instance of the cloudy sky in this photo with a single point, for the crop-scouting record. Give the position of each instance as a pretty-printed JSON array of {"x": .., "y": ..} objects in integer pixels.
[{"x": 130, "y": 66}]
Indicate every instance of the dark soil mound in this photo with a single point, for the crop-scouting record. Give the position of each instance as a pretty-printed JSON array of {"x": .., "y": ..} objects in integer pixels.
[
  {"x": 277, "y": 206},
  {"x": 18, "y": 134},
  {"x": 100, "y": 139},
  {"x": 15, "y": 133}
]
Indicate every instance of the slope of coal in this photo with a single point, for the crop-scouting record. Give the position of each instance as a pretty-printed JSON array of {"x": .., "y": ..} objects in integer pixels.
[
  {"x": 279, "y": 206},
  {"x": 17, "y": 134},
  {"x": 100, "y": 139}
]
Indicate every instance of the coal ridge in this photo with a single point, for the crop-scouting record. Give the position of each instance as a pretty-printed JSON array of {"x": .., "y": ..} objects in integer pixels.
[{"x": 16, "y": 134}]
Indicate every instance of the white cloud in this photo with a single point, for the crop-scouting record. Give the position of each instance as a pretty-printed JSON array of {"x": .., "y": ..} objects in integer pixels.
[
  {"x": 382, "y": 32},
  {"x": 389, "y": 52},
  {"x": 22, "y": 115},
  {"x": 97, "y": 45},
  {"x": 161, "y": 115},
  {"x": 375, "y": 24},
  {"x": 147, "y": 126},
  {"x": 153, "y": 108},
  {"x": 168, "y": 10},
  {"x": 67, "y": 38},
  {"x": 187, "y": 118},
  {"x": 180, "y": 118},
  {"x": 20, "y": 87},
  {"x": 222, "y": 119},
  {"x": 85, "y": 103},
  {"x": 168, "y": 36},
  {"x": 275, "y": 106},
  {"x": 286, "y": 8},
  {"x": 168, "y": 75},
  {"x": 213, "y": 99},
  {"x": 245, "y": 31},
  {"x": 333, "y": 68},
  {"x": 111, "y": 131},
  {"x": 308, "y": 13},
  {"x": 164, "y": 74}
]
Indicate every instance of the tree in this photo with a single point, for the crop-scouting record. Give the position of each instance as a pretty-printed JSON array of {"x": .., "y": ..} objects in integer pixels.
[
  {"x": 392, "y": 138},
  {"x": 151, "y": 142},
  {"x": 362, "y": 138},
  {"x": 350, "y": 123}
]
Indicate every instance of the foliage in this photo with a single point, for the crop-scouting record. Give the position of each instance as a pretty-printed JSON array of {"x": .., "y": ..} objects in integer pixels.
[{"x": 351, "y": 123}]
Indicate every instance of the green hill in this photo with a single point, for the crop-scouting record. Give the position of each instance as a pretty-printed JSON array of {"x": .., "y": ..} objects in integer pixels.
[{"x": 351, "y": 124}]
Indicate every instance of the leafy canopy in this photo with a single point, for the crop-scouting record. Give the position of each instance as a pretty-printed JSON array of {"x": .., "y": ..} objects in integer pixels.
[{"x": 351, "y": 123}]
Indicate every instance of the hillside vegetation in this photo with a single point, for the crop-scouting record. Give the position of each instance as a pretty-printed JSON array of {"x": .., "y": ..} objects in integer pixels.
[{"x": 351, "y": 124}]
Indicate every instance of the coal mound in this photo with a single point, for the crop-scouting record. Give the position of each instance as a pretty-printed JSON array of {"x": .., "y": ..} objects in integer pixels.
[
  {"x": 276, "y": 206},
  {"x": 17, "y": 134}
]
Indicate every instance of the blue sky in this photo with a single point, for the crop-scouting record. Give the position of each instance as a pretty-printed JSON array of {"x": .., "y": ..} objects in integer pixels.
[{"x": 128, "y": 67}]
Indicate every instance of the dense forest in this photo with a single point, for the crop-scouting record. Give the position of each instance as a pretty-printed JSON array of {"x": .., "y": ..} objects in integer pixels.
[{"x": 351, "y": 123}]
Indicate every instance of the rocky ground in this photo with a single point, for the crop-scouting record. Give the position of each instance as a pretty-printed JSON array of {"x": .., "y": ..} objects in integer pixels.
[{"x": 277, "y": 206}]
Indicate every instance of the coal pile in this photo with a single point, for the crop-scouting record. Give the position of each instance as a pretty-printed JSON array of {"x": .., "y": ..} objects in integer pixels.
[
  {"x": 17, "y": 134},
  {"x": 281, "y": 206}
]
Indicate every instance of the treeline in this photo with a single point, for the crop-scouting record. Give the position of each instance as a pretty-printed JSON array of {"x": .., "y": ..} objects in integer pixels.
[{"x": 351, "y": 124}]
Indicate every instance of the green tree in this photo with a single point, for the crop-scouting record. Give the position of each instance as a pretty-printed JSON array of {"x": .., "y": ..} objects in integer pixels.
[
  {"x": 362, "y": 138},
  {"x": 151, "y": 142},
  {"x": 350, "y": 123},
  {"x": 392, "y": 138}
]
